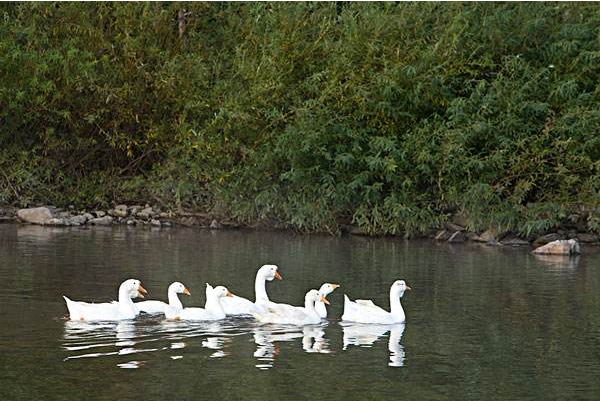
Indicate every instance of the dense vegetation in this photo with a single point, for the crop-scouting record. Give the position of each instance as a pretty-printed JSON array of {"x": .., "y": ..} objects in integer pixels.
[{"x": 394, "y": 116}]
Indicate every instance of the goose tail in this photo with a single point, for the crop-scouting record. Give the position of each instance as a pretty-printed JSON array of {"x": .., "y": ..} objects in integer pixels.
[{"x": 70, "y": 306}]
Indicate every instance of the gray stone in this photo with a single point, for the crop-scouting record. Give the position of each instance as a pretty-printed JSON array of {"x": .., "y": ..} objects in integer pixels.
[
  {"x": 145, "y": 214},
  {"x": 155, "y": 223},
  {"x": 544, "y": 239},
  {"x": 134, "y": 209},
  {"x": 167, "y": 224},
  {"x": 62, "y": 215},
  {"x": 36, "y": 215},
  {"x": 101, "y": 221},
  {"x": 77, "y": 220},
  {"x": 559, "y": 247},
  {"x": 55, "y": 221},
  {"x": 120, "y": 211},
  {"x": 514, "y": 241},
  {"x": 88, "y": 216},
  {"x": 164, "y": 215},
  {"x": 99, "y": 213},
  {"x": 131, "y": 222},
  {"x": 486, "y": 236},
  {"x": 215, "y": 224},
  {"x": 458, "y": 236},
  {"x": 588, "y": 238},
  {"x": 188, "y": 221}
]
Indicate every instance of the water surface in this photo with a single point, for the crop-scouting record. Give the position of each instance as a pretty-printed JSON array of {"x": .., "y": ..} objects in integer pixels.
[{"x": 482, "y": 322}]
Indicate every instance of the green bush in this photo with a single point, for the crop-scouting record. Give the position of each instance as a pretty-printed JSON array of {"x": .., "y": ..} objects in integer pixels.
[{"x": 393, "y": 116}]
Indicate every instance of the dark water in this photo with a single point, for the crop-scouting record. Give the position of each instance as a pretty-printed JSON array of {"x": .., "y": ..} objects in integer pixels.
[{"x": 483, "y": 323}]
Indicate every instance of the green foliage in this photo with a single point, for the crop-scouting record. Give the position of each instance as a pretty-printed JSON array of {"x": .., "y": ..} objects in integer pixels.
[{"x": 390, "y": 115}]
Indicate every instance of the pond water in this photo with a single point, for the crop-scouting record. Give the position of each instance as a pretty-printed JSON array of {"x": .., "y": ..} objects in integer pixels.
[{"x": 482, "y": 322}]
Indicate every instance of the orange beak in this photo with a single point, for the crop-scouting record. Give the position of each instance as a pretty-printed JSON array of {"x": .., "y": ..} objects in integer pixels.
[
  {"x": 141, "y": 291},
  {"x": 324, "y": 300},
  {"x": 408, "y": 288},
  {"x": 186, "y": 291},
  {"x": 229, "y": 294},
  {"x": 335, "y": 286},
  {"x": 278, "y": 276}
]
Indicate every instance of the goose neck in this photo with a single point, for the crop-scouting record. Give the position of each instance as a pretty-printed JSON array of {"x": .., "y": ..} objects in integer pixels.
[
  {"x": 310, "y": 306},
  {"x": 260, "y": 290},
  {"x": 174, "y": 300},
  {"x": 126, "y": 305},
  {"x": 395, "y": 305}
]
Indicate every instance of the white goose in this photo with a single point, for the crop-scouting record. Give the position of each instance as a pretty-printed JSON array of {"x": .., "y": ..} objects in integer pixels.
[
  {"x": 295, "y": 316},
  {"x": 325, "y": 290},
  {"x": 213, "y": 310},
  {"x": 122, "y": 309},
  {"x": 365, "y": 311},
  {"x": 159, "y": 306},
  {"x": 241, "y": 306}
]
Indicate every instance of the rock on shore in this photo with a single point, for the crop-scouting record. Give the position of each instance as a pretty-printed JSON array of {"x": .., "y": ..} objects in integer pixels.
[
  {"x": 36, "y": 215},
  {"x": 559, "y": 247}
]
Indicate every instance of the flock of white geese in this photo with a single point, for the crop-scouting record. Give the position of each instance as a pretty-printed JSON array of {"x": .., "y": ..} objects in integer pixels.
[{"x": 221, "y": 303}]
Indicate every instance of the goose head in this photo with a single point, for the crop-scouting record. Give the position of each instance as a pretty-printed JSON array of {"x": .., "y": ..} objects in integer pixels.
[
  {"x": 269, "y": 272},
  {"x": 398, "y": 288},
  {"x": 178, "y": 288},
  {"x": 315, "y": 296},
  {"x": 221, "y": 291},
  {"x": 327, "y": 289},
  {"x": 133, "y": 288}
]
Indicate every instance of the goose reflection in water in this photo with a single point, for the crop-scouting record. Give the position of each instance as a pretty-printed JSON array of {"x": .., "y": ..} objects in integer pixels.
[
  {"x": 178, "y": 330},
  {"x": 85, "y": 335},
  {"x": 365, "y": 335},
  {"x": 267, "y": 337},
  {"x": 111, "y": 338},
  {"x": 217, "y": 344},
  {"x": 313, "y": 340}
]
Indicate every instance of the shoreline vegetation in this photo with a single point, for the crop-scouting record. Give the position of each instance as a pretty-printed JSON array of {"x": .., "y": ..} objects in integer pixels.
[{"x": 459, "y": 121}]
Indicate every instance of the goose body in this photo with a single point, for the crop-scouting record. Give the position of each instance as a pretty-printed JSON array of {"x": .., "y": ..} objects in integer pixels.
[
  {"x": 153, "y": 307},
  {"x": 241, "y": 306},
  {"x": 213, "y": 310},
  {"x": 365, "y": 311},
  {"x": 294, "y": 315},
  {"x": 325, "y": 290},
  {"x": 122, "y": 309}
]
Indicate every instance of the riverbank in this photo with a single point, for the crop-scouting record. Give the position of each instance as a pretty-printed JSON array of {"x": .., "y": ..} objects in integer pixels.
[
  {"x": 453, "y": 231},
  {"x": 361, "y": 118}
]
